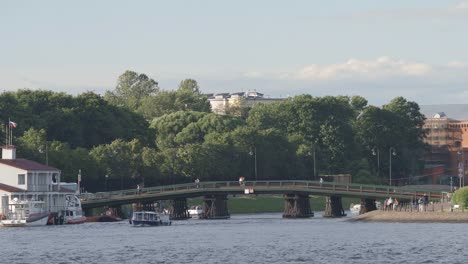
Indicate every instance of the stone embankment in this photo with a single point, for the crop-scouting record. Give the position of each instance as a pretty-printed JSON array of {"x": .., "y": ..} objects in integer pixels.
[{"x": 413, "y": 217}]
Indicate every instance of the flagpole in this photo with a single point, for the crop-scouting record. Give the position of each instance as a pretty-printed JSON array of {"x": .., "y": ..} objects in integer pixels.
[{"x": 11, "y": 132}]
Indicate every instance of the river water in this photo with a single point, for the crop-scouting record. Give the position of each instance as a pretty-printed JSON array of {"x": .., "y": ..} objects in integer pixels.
[{"x": 253, "y": 238}]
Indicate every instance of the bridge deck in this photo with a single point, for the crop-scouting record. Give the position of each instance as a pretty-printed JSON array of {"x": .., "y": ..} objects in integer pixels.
[{"x": 257, "y": 187}]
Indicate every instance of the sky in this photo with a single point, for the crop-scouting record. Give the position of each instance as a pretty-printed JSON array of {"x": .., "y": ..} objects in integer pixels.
[{"x": 375, "y": 49}]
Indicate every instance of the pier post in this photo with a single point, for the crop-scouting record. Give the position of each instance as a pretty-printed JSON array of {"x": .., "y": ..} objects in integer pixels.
[
  {"x": 333, "y": 207},
  {"x": 215, "y": 207},
  {"x": 297, "y": 206},
  {"x": 178, "y": 209},
  {"x": 367, "y": 205}
]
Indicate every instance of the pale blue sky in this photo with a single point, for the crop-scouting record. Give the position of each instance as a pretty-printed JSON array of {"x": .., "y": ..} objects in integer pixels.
[{"x": 376, "y": 49}]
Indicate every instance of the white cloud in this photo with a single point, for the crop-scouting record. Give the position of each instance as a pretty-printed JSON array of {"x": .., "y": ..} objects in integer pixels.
[
  {"x": 382, "y": 67},
  {"x": 462, "y": 5}
]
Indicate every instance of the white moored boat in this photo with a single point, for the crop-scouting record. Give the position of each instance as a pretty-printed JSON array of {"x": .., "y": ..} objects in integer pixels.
[
  {"x": 26, "y": 213},
  {"x": 149, "y": 218},
  {"x": 195, "y": 211}
]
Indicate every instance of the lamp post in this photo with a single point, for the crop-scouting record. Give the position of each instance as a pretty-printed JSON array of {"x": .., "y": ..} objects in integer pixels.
[
  {"x": 375, "y": 151},
  {"x": 391, "y": 151},
  {"x": 46, "y": 153},
  {"x": 461, "y": 166},
  {"x": 254, "y": 153},
  {"x": 107, "y": 177},
  {"x": 313, "y": 157},
  {"x": 79, "y": 182}
]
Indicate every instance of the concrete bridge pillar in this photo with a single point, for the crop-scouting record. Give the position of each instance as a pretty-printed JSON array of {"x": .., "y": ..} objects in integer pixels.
[
  {"x": 215, "y": 207},
  {"x": 333, "y": 207},
  {"x": 297, "y": 206},
  {"x": 178, "y": 209},
  {"x": 367, "y": 205}
]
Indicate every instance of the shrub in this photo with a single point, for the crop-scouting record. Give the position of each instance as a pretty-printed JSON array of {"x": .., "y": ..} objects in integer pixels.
[{"x": 460, "y": 197}]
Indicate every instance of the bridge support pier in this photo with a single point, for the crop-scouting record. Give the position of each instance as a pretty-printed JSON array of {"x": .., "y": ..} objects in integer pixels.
[
  {"x": 297, "y": 206},
  {"x": 333, "y": 207},
  {"x": 215, "y": 207},
  {"x": 178, "y": 209},
  {"x": 367, "y": 205}
]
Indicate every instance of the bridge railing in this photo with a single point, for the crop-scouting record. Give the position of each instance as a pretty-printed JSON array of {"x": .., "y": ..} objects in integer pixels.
[{"x": 324, "y": 187}]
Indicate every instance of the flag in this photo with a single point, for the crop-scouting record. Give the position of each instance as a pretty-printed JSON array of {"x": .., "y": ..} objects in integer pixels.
[{"x": 12, "y": 124}]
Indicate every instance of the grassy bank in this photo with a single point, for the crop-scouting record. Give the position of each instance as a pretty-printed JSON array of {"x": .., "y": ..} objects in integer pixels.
[{"x": 268, "y": 204}]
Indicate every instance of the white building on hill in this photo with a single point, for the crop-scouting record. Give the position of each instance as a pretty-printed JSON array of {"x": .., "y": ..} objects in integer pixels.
[{"x": 223, "y": 101}]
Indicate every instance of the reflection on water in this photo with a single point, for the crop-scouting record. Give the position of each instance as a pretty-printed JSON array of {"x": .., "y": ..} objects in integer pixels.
[{"x": 259, "y": 238}]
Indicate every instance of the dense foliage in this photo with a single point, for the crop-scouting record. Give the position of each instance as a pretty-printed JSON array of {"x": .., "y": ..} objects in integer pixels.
[{"x": 139, "y": 134}]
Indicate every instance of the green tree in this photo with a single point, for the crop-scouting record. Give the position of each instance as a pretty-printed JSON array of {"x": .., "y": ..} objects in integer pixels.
[
  {"x": 131, "y": 89},
  {"x": 189, "y": 85}
]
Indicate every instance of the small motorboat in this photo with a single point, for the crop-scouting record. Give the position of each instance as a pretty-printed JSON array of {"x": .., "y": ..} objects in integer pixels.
[
  {"x": 149, "y": 218},
  {"x": 355, "y": 208},
  {"x": 195, "y": 211},
  {"x": 110, "y": 215}
]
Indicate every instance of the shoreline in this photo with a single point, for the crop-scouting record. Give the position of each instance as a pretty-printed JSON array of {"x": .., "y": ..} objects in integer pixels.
[{"x": 412, "y": 217}]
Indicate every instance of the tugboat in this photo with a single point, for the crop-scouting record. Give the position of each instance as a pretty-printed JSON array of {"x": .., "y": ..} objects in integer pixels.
[
  {"x": 73, "y": 214},
  {"x": 149, "y": 218}
]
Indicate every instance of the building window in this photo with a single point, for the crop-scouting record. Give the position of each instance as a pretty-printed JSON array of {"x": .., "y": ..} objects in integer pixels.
[{"x": 21, "y": 180}]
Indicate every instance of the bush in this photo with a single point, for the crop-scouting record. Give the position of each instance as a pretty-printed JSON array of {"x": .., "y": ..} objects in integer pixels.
[{"x": 460, "y": 197}]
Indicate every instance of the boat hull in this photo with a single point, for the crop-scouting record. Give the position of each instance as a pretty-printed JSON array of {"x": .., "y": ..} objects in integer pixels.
[
  {"x": 37, "y": 219},
  {"x": 150, "y": 223},
  {"x": 78, "y": 220}
]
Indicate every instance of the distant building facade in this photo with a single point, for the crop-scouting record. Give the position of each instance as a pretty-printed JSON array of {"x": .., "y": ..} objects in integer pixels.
[
  {"x": 222, "y": 102},
  {"x": 448, "y": 140}
]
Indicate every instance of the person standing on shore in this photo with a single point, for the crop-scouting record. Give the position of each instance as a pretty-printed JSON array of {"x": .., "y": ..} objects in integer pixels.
[
  {"x": 390, "y": 203},
  {"x": 426, "y": 201},
  {"x": 421, "y": 204}
]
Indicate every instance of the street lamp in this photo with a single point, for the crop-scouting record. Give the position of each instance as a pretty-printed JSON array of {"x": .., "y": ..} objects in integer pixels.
[
  {"x": 107, "y": 177},
  {"x": 391, "y": 152},
  {"x": 461, "y": 166},
  {"x": 375, "y": 151},
  {"x": 254, "y": 153},
  {"x": 41, "y": 150},
  {"x": 313, "y": 156}
]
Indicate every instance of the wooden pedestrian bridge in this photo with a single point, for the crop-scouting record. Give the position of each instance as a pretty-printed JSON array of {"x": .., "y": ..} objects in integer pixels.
[{"x": 215, "y": 196}]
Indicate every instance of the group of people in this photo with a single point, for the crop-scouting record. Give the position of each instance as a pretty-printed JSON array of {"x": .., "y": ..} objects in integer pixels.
[{"x": 390, "y": 204}]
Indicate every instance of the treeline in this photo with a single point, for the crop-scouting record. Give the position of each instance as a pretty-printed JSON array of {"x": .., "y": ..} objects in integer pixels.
[{"x": 138, "y": 134}]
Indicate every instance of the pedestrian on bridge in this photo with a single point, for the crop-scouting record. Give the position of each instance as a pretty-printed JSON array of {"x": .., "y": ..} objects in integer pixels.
[
  {"x": 241, "y": 181},
  {"x": 197, "y": 182},
  {"x": 138, "y": 188},
  {"x": 321, "y": 181}
]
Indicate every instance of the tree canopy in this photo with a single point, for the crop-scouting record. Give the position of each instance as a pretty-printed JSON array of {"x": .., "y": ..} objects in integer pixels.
[{"x": 137, "y": 134}]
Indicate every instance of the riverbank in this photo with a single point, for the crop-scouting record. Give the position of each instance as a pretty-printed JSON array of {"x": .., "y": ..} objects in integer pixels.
[{"x": 412, "y": 217}]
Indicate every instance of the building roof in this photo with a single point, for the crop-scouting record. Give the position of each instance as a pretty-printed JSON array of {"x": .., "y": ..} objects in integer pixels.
[
  {"x": 10, "y": 188},
  {"x": 25, "y": 164},
  {"x": 453, "y": 111}
]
